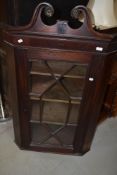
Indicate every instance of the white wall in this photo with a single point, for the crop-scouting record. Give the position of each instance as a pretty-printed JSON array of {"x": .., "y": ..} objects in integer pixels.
[{"x": 105, "y": 12}]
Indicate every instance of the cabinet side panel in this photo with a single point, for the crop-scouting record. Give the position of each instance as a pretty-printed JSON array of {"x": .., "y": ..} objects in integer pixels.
[
  {"x": 100, "y": 69},
  {"x": 13, "y": 99}
]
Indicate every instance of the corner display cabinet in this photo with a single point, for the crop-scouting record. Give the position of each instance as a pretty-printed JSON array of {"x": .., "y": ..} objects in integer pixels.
[{"x": 59, "y": 75}]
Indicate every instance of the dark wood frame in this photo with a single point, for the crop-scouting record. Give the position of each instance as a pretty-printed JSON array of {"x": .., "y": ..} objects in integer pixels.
[{"x": 85, "y": 43}]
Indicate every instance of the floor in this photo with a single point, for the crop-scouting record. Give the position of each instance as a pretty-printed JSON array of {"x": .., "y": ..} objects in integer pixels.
[{"x": 101, "y": 160}]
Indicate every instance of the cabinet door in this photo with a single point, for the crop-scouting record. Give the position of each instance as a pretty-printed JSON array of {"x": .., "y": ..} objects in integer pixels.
[
  {"x": 50, "y": 94},
  {"x": 56, "y": 89}
]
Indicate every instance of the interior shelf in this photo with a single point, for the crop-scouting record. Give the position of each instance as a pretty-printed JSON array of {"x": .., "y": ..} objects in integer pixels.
[
  {"x": 55, "y": 123},
  {"x": 37, "y": 98},
  {"x": 56, "y": 75}
]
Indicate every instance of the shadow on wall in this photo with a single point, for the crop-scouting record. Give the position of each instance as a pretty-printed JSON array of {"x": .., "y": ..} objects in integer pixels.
[{"x": 91, "y": 4}]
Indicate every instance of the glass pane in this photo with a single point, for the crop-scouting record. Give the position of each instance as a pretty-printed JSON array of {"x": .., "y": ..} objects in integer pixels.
[
  {"x": 74, "y": 86},
  {"x": 39, "y": 67},
  {"x": 57, "y": 92},
  {"x": 60, "y": 67},
  {"x": 35, "y": 111},
  {"x": 78, "y": 70},
  {"x": 39, "y": 84},
  {"x": 74, "y": 114},
  {"x": 55, "y": 112}
]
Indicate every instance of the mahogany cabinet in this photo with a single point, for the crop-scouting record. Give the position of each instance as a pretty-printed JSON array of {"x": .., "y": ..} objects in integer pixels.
[{"x": 60, "y": 77}]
